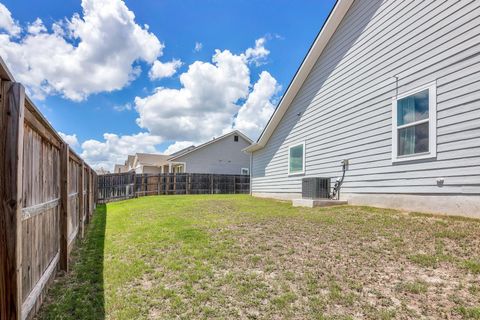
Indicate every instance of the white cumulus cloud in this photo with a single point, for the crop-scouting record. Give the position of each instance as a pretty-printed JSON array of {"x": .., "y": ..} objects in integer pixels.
[
  {"x": 99, "y": 50},
  {"x": 178, "y": 145},
  {"x": 7, "y": 23},
  {"x": 214, "y": 98},
  {"x": 198, "y": 46},
  {"x": 93, "y": 52},
  {"x": 71, "y": 139},
  {"x": 256, "y": 111},
  {"x": 114, "y": 148},
  {"x": 161, "y": 70},
  {"x": 205, "y": 103},
  {"x": 123, "y": 107},
  {"x": 258, "y": 54},
  {"x": 37, "y": 27},
  {"x": 209, "y": 98}
]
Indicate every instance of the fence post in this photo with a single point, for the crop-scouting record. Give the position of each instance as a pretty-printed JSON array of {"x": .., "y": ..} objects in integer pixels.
[
  {"x": 132, "y": 185},
  {"x": 11, "y": 144},
  {"x": 87, "y": 196},
  {"x": 95, "y": 190},
  {"x": 174, "y": 183},
  {"x": 167, "y": 183},
  {"x": 147, "y": 183},
  {"x": 64, "y": 214},
  {"x": 144, "y": 184},
  {"x": 91, "y": 189},
  {"x": 163, "y": 182},
  {"x": 189, "y": 183},
  {"x": 81, "y": 201},
  {"x": 211, "y": 184}
]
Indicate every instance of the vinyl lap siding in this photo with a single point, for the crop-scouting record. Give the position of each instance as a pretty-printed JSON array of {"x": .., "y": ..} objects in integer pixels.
[
  {"x": 344, "y": 109},
  {"x": 224, "y": 156}
]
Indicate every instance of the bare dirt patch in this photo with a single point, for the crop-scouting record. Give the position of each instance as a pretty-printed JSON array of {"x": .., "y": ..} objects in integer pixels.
[{"x": 357, "y": 265}]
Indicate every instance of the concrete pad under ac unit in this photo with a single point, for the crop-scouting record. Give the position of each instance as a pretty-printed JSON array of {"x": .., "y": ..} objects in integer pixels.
[{"x": 311, "y": 203}]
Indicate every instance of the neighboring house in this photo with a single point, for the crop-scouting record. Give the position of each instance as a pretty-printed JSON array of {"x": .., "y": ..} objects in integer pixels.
[
  {"x": 129, "y": 162},
  {"x": 128, "y": 166},
  {"x": 150, "y": 163},
  {"x": 120, "y": 168},
  {"x": 394, "y": 87},
  {"x": 222, "y": 155},
  {"x": 102, "y": 171}
]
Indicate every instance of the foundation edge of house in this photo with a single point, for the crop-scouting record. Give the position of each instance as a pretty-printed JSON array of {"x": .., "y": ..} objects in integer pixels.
[{"x": 453, "y": 205}]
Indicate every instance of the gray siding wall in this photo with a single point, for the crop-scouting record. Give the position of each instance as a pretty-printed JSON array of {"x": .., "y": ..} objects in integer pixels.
[
  {"x": 224, "y": 156},
  {"x": 346, "y": 101}
]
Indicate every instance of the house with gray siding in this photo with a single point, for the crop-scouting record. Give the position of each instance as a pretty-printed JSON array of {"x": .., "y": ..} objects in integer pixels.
[
  {"x": 394, "y": 88},
  {"x": 222, "y": 155}
]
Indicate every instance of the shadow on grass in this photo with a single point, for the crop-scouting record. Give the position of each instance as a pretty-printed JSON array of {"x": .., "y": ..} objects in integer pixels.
[{"x": 80, "y": 293}]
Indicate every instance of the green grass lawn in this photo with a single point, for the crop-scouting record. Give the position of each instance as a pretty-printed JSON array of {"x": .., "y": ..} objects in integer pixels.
[{"x": 237, "y": 257}]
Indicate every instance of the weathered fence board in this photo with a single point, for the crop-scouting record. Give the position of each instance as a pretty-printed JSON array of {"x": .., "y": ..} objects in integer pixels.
[
  {"x": 11, "y": 148},
  {"x": 64, "y": 207},
  {"x": 120, "y": 186},
  {"x": 42, "y": 202}
]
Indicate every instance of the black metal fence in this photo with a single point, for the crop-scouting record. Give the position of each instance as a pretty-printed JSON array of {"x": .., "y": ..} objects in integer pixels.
[{"x": 119, "y": 186}]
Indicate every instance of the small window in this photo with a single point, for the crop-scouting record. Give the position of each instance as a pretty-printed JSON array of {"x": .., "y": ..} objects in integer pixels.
[
  {"x": 296, "y": 159},
  {"x": 235, "y": 138},
  {"x": 245, "y": 171},
  {"x": 414, "y": 124}
]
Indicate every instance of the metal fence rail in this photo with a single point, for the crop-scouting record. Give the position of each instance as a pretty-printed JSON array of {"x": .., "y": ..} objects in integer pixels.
[{"x": 120, "y": 186}]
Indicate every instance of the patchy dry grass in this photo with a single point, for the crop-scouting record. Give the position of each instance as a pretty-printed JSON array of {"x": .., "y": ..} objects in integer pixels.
[{"x": 229, "y": 257}]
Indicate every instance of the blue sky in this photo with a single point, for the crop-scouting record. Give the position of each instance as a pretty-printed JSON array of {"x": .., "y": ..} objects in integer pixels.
[{"x": 285, "y": 29}]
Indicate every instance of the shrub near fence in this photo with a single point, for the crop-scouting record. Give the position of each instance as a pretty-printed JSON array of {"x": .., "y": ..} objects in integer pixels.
[
  {"x": 47, "y": 194},
  {"x": 120, "y": 186}
]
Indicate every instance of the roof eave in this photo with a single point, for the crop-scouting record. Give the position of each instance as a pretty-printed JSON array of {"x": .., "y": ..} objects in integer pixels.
[
  {"x": 252, "y": 148},
  {"x": 330, "y": 26}
]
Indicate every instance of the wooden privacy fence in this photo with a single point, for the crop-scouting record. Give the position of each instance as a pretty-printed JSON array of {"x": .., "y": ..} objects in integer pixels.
[
  {"x": 119, "y": 186},
  {"x": 47, "y": 194}
]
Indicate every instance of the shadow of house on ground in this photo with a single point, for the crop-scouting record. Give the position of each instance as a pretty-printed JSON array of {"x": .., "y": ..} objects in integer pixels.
[{"x": 80, "y": 293}]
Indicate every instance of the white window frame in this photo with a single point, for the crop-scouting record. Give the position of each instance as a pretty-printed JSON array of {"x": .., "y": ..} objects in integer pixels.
[
  {"x": 296, "y": 173},
  {"x": 432, "y": 120},
  {"x": 248, "y": 171}
]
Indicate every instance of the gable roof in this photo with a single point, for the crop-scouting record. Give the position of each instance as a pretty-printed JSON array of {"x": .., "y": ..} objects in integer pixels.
[
  {"x": 149, "y": 159},
  {"x": 330, "y": 26},
  {"x": 234, "y": 132},
  {"x": 119, "y": 168},
  {"x": 130, "y": 160},
  {"x": 184, "y": 150}
]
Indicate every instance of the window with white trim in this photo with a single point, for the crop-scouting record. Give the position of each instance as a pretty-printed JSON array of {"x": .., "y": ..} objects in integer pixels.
[
  {"x": 296, "y": 159},
  {"x": 414, "y": 127},
  {"x": 245, "y": 171}
]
